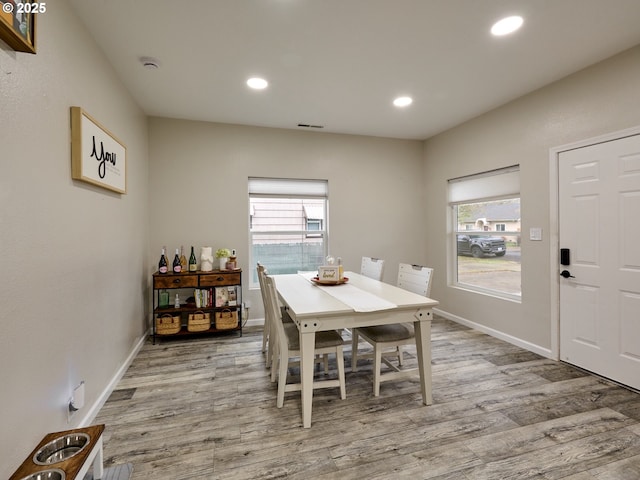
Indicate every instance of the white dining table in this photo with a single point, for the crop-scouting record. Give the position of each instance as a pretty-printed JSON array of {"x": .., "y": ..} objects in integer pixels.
[{"x": 360, "y": 302}]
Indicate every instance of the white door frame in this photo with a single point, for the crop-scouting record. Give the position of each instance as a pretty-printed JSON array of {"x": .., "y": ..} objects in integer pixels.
[{"x": 554, "y": 226}]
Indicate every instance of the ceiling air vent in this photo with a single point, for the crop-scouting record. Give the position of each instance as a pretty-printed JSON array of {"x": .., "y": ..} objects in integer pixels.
[{"x": 306, "y": 125}]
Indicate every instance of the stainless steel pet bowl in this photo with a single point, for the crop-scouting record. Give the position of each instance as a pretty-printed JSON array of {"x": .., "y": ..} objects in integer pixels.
[
  {"x": 53, "y": 474},
  {"x": 62, "y": 448}
]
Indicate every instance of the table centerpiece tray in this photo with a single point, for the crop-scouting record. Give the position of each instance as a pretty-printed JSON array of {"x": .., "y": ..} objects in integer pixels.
[{"x": 328, "y": 283}]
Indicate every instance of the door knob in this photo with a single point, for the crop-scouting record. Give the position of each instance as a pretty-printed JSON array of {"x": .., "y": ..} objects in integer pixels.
[{"x": 566, "y": 274}]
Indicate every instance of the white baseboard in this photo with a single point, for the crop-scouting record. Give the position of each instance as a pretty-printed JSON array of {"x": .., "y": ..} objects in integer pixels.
[
  {"x": 255, "y": 322},
  {"x": 104, "y": 396},
  {"x": 545, "y": 352}
]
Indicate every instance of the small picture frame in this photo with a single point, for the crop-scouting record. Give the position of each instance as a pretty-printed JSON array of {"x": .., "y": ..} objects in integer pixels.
[
  {"x": 18, "y": 24},
  {"x": 328, "y": 274}
]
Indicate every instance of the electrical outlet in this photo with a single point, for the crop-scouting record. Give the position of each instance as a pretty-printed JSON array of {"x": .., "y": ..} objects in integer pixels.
[
  {"x": 70, "y": 411},
  {"x": 76, "y": 401}
]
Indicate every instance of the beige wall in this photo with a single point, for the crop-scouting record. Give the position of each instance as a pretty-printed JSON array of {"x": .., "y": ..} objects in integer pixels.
[
  {"x": 198, "y": 182},
  {"x": 74, "y": 256},
  {"x": 601, "y": 99}
]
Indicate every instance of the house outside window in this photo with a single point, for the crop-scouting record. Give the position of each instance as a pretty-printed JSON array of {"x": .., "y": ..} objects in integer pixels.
[
  {"x": 482, "y": 260},
  {"x": 288, "y": 219}
]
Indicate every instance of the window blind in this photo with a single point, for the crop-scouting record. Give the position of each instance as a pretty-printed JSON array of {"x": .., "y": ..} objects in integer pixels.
[
  {"x": 288, "y": 187},
  {"x": 502, "y": 182}
]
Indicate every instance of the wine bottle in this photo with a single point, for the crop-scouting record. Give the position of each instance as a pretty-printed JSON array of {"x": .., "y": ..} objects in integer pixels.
[
  {"x": 177, "y": 268},
  {"x": 162, "y": 265},
  {"x": 183, "y": 260},
  {"x": 193, "y": 264}
]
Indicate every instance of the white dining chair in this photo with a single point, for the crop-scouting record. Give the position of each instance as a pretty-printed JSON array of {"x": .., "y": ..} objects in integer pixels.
[
  {"x": 267, "y": 346},
  {"x": 265, "y": 331},
  {"x": 286, "y": 341},
  {"x": 414, "y": 278},
  {"x": 372, "y": 267}
]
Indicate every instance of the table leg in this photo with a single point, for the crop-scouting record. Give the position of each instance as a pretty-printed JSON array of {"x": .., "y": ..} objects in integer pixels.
[
  {"x": 423, "y": 349},
  {"x": 307, "y": 347}
]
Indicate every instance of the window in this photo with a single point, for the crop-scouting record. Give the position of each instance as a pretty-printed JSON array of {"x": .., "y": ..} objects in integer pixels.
[
  {"x": 481, "y": 204},
  {"x": 288, "y": 224},
  {"x": 313, "y": 225}
]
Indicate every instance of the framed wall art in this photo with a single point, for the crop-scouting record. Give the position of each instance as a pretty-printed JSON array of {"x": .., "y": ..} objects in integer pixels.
[
  {"x": 97, "y": 156},
  {"x": 18, "y": 24}
]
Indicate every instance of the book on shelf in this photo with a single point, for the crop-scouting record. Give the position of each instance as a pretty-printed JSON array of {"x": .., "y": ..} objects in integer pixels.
[
  {"x": 204, "y": 298},
  {"x": 222, "y": 296}
]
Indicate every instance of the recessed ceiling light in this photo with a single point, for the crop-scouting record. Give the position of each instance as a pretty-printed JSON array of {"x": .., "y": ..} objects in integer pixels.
[
  {"x": 257, "y": 83},
  {"x": 403, "y": 101},
  {"x": 507, "y": 25}
]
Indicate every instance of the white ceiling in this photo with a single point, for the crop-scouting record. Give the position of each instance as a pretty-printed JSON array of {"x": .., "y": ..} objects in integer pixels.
[{"x": 340, "y": 63}]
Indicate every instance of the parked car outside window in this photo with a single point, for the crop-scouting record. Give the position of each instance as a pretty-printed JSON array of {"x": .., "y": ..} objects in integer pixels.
[{"x": 481, "y": 246}]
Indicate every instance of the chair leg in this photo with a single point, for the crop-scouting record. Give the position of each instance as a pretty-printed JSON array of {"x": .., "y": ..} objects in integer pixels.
[
  {"x": 282, "y": 378},
  {"x": 354, "y": 349},
  {"x": 270, "y": 349},
  {"x": 265, "y": 336},
  {"x": 377, "y": 365},
  {"x": 399, "y": 353},
  {"x": 274, "y": 360},
  {"x": 271, "y": 344},
  {"x": 325, "y": 361},
  {"x": 340, "y": 360}
]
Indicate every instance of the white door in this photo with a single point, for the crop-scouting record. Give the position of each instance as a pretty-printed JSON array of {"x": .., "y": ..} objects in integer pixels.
[{"x": 599, "y": 214}]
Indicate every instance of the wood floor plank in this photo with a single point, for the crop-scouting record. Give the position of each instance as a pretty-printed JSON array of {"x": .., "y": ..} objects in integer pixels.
[
  {"x": 625, "y": 469},
  {"x": 580, "y": 476},
  {"x": 603, "y": 395},
  {"x": 408, "y": 441},
  {"x": 306, "y": 465},
  {"x": 560, "y": 461},
  {"x": 494, "y": 447}
]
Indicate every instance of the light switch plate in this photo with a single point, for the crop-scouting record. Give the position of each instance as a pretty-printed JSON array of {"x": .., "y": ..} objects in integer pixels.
[{"x": 535, "y": 233}]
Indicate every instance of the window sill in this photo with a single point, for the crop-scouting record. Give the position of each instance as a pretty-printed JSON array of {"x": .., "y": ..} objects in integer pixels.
[{"x": 510, "y": 297}]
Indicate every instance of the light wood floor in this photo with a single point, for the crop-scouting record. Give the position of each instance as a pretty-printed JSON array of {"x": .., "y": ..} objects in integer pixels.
[{"x": 205, "y": 409}]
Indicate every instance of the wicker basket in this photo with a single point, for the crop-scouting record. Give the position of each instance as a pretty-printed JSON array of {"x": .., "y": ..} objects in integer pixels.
[
  {"x": 226, "y": 319},
  {"x": 199, "y": 322},
  {"x": 167, "y": 324}
]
